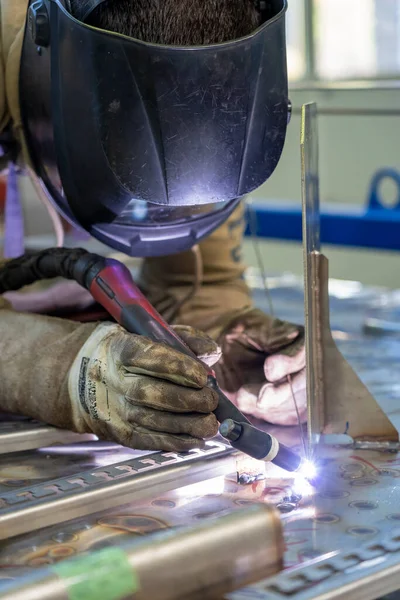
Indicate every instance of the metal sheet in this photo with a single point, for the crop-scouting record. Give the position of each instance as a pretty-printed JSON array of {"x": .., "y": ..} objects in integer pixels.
[
  {"x": 363, "y": 573},
  {"x": 356, "y": 502},
  {"x": 329, "y": 520},
  {"x": 20, "y": 435},
  {"x": 31, "y": 508},
  {"x": 201, "y": 562}
]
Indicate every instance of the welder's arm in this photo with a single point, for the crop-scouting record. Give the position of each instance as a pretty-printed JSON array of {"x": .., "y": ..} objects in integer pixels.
[{"x": 98, "y": 378}]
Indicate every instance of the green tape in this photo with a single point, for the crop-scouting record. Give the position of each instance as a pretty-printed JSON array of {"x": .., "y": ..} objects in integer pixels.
[{"x": 105, "y": 574}]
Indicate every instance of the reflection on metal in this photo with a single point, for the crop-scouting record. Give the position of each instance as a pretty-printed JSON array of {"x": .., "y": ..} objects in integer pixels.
[
  {"x": 362, "y": 573},
  {"x": 338, "y": 402},
  {"x": 356, "y": 501},
  {"x": 202, "y": 562},
  {"x": 17, "y": 436},
  {"x": 31, "y": 508}
]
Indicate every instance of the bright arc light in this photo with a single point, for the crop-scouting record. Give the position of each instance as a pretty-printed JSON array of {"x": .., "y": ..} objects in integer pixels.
[{"x": 308, "y": 469}]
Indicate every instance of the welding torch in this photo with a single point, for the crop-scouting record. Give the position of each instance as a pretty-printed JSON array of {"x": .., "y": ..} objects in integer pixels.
[{"x": 111, "y": 285}]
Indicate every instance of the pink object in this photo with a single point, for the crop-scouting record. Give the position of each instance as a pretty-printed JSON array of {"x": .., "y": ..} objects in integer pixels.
[
  {"x": 273, "y": 402},
  {"x": 13, "y": 217},
  {"x": 64, "y": 295},
  {"x": 278, "y": 366}
]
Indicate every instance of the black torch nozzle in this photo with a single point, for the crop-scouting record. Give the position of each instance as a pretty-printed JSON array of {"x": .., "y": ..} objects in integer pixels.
[{"x": 259, "y": 444}]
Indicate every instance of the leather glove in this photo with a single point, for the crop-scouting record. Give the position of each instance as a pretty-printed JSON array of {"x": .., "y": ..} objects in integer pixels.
[
  {"x": 97, "y": 378},
  {"x": 262, "y": 368},
  {"x": 142, "y": 394}
]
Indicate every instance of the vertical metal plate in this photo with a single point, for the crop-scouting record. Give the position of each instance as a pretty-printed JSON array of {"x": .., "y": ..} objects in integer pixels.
[
  {"x": 311, "y": 244},
  {"x": 338, "y": 402}
]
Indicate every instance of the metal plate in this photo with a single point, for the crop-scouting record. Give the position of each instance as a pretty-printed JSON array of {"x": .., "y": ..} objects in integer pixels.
[
  {"x": 328, "y": 521},
  {"x": 19, "y": 435},
  {"x": 311, "y": 245},
  {"x": 338, "y": 402},
  {"x": 365, "y": 572},
  {"x": 33, "y": 507}
]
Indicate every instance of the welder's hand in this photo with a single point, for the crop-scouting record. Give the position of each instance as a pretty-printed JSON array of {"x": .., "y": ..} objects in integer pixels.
[
  {"x": 141, "y": 394},
  {"x": 263, "y": 362}
]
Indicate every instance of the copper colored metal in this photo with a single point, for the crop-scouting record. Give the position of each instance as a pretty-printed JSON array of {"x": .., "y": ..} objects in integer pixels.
[
  {"x": 338, "y": 402},
  {"x": 201, "y": 563}
]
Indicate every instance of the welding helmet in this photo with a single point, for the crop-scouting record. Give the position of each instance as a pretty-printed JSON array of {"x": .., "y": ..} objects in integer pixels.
[{"x": 147, "y": 147}]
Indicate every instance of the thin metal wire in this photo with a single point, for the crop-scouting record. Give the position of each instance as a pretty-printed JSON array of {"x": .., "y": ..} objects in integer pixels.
[{"x": 253, "y": 233}]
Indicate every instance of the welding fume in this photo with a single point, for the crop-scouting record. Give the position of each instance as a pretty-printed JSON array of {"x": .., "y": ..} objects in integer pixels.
[{"x": 145, "y": 125}]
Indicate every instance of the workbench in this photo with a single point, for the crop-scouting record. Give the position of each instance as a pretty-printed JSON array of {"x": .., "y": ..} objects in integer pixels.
[{"x": 342, "y": 539}]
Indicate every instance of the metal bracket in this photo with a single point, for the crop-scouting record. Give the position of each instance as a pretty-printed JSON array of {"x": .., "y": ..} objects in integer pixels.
[{"x": 338, "y": 402}]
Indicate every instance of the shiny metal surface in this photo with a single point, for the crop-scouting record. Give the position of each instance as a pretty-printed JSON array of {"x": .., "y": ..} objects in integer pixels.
[
  {"x": 20, "y": 435},
  {"x": 311, "y": 246},
  {"x": 202, "y": 562},
  {"x": 363, "y": 573},
  {"x": 338, "y": 402},
  {"x": 33, "y": 507},
  {"x": 357, "y": 502}
]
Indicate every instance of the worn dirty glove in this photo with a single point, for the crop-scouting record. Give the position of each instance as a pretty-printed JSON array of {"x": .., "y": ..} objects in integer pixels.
[
  {"x": 262, "y": 368},
  {"x": 97, "y": 378},
  {"x": 142, "y": 394}
]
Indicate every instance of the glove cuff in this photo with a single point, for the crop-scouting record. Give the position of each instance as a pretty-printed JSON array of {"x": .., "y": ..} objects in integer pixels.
[{"x": 90, "y": 358}]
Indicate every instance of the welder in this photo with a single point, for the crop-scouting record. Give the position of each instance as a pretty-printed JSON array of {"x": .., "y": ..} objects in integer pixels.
[{"x": 147, "y": 122}]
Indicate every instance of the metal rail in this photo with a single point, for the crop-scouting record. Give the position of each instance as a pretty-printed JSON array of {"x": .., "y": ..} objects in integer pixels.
[{"x": 58, "y": 500}]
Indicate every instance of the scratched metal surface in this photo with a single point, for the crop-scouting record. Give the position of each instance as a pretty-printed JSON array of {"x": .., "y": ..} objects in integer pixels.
[{"x": 357, "y": 498}]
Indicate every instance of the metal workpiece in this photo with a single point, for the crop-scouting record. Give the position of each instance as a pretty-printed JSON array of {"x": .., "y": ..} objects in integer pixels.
[
  {"x": 18, "y": 436},
  {"x": 31, "y": 508},
  {"x": 355, "y": 502},
  {"x": 338, "y": 402},
  {"x": 366, "y": 572},
  {"x": 201, "y": 562}
]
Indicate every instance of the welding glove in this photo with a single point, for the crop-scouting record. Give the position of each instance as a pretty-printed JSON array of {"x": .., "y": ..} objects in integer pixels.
[
  {"x": 262, "y": 368},
  {"x": 97, "y": 378},
  {"x": 263, "y": 358}
]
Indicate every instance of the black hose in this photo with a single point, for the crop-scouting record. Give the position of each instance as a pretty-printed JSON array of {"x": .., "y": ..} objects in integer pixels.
[{"x": 70, "y": 263}]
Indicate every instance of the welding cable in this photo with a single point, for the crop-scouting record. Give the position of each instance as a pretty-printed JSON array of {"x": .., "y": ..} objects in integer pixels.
[
  {"x": 260, "y": 262},
  {"x": 167, "y": 303},
  {"x": 194, "y": 287},
  {"x": 257, "y": 252},
  {"x": 44, "y": 264}
]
